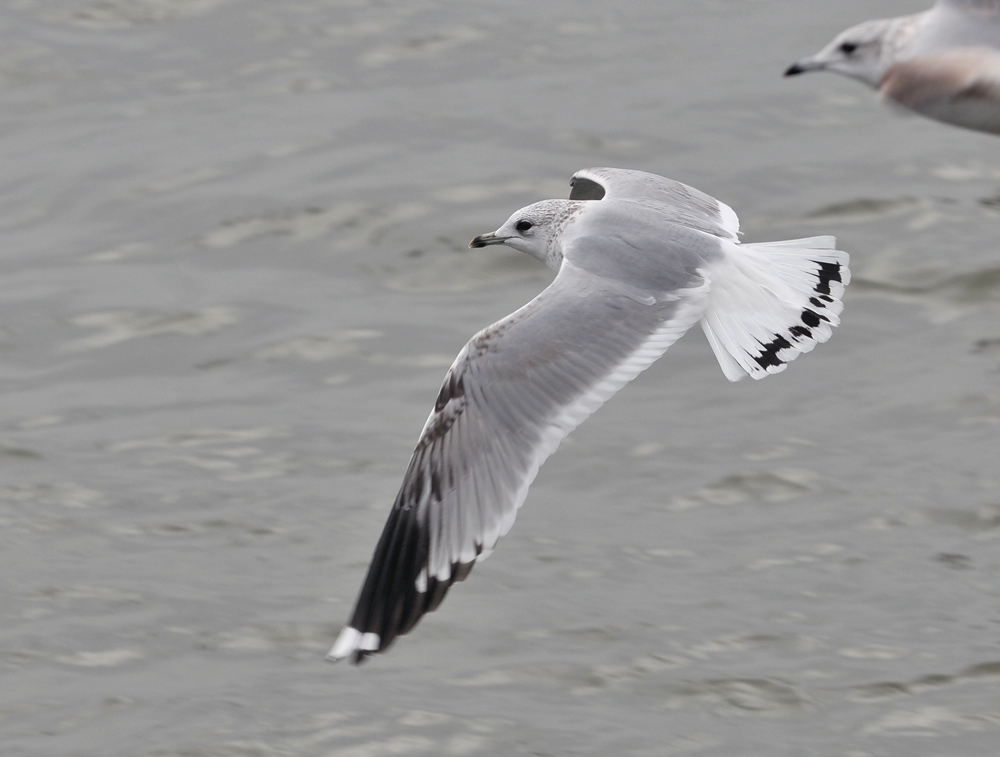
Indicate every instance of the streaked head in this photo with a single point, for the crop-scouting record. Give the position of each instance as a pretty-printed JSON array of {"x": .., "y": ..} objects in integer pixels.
[
  {"x": 534, "y": 230},
  {"x": 863, "y": 52}
]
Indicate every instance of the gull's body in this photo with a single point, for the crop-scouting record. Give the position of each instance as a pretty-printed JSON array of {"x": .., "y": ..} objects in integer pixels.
[
  {"x": 943, "y": 63},
  {"x": 639, "y": 259}
]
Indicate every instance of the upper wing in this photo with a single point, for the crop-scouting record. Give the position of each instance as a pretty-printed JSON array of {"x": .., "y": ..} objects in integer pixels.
[
  {"x": 958, "y": 23},
  {"x": 675, "y": 202},
  {"x": 514, "y": 392}
]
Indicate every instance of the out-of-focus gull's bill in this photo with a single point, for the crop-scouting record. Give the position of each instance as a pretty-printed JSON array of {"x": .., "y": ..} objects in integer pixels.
[
  {"x": 943, "y": 63},
  {"x": 639, "y": 260}
]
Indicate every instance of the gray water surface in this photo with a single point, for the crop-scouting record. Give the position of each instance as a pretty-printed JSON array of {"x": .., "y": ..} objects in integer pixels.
[{"x": 233, "y": 236}]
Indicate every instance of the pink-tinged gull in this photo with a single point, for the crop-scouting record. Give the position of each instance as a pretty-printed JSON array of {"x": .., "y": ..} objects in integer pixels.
[
  {"x": 639, "y": 260},
  {"x": 943, "y": 63}
]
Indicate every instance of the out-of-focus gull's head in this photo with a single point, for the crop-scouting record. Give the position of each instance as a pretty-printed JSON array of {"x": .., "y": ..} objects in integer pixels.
[
  {"x": 862, "y": 52},
  {"x": 943, "y": 64}
]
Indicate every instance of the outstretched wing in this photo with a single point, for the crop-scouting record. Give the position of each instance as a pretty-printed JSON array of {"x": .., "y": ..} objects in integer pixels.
[
  {"x": 514, "y": 392},
  {"x": 673, "y": 201}
]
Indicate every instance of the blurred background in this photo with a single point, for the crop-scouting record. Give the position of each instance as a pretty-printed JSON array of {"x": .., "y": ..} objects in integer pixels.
[{"x": 233, "y": 236}]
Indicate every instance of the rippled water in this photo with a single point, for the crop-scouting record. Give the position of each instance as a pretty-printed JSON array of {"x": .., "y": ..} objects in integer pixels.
[{"x": 234, "y": 272}]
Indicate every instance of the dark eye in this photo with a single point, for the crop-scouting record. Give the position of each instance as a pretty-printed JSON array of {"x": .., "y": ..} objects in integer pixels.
[
  {"x": 848, "y": 47},
  {"x": 523, "y": 225}
]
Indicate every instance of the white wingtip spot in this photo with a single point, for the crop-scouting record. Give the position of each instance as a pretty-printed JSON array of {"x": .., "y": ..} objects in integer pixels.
[{"x": 346, "y": 643}]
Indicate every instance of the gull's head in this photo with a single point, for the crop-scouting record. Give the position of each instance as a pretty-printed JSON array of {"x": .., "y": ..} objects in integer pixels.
[
  {"x": 534, "y": 230},
  {"x": 863, "y": 52}
]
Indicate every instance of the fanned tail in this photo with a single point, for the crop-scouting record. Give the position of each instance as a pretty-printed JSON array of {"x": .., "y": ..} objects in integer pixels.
[{"x": 770, "y": 302}]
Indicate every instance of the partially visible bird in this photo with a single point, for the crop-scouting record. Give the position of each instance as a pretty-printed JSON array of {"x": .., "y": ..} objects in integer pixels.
[
  {"x": 639, "y": 260},
  {"x": 943, "y": 63}
]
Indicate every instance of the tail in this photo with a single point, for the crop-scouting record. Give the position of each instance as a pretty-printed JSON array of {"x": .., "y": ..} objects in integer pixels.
[{"x": 770, "y": 302}]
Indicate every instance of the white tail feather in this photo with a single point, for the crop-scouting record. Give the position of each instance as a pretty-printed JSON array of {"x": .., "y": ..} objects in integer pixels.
[{"x": 770, "y": 302}]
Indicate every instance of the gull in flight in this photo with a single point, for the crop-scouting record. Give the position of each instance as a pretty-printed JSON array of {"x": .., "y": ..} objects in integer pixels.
[
  {"x": 639, "y": 260},
  {"x": 943, "y": 63}
]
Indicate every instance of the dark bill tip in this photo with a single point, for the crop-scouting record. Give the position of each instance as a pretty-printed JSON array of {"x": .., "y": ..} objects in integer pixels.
[
  {"x": 794, "y": 69},
  {"x": 485, "y": 239}
]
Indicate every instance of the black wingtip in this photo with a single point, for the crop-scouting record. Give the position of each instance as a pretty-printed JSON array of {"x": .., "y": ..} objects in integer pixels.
[{"x": 397, "y": 591}]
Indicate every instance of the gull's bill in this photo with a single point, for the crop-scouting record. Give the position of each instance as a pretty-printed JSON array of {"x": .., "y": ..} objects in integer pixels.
[{"x": 639, "y": 260}]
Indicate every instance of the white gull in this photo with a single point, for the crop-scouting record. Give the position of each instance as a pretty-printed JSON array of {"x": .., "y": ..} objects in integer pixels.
[
  {"x": 943, "y": 63},
  {"x": 639, "y": 260}
]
